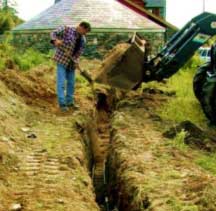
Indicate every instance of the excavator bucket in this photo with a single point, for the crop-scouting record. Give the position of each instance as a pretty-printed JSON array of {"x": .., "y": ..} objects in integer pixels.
[{"x": 123, "y": 66}]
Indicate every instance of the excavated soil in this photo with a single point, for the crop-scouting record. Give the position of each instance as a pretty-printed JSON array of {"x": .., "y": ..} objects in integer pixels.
[
  {"x": 110, "y": 154},
  {"x": 34, "y": 87},
  {"x": 110, "y": 61},
  {"x": 44, "y": 160}
]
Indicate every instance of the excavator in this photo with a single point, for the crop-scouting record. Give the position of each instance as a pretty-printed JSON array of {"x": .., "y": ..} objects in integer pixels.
[{"x": 128, "y": 67}]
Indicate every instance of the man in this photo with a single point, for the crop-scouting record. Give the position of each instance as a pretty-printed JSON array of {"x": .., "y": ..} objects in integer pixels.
[{"x": 69, "y": 43}]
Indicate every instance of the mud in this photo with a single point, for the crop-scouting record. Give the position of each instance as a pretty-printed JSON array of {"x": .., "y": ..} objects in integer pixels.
[{"x": 158, "y": 91}]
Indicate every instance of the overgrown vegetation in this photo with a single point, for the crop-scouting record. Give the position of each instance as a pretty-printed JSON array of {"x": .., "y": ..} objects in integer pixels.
[
  {"x": 13, "y": 58},
  {"x": 177, "y": 205}
]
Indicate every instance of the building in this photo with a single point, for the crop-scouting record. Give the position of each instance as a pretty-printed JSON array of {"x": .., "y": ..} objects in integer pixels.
[
  {"x": 157, "y": 7},
  {"x": 134, "y": 5},
  {"x": 114, "y": 18},
  {"x": 112, "y": 15},
  {"x": 138, "y": 7},
  {"x": 140, "y": 3}
]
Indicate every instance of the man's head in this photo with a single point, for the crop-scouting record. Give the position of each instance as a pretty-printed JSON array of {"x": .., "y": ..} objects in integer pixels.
[{"x": 84, "y": 28}]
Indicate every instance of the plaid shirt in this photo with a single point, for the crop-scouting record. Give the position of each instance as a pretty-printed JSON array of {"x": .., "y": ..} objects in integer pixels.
[{"x": 65, "y": 54}]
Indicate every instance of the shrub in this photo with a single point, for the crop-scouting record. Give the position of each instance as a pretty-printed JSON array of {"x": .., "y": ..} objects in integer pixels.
[
  {"x": 30, "y": 58},
  {"x": 11, "y": 57}
]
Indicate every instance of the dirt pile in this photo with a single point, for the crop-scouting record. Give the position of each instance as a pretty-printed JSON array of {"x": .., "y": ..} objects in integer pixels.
[
  {"x": 35, "y": 87},
  {"x": 110, "y": 61}
]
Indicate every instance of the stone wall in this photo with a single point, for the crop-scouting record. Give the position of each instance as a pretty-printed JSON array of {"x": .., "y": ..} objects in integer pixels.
[
  {"x": 39, "y": 41},
  {"x": 97, "y": 43},
  {"x": 100, "y": 43}
]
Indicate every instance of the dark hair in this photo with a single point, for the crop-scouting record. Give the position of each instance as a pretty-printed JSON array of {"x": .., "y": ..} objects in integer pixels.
[{"x": 86, "y": 25}]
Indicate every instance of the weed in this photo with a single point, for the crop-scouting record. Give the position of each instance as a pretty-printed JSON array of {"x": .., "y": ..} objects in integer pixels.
[{"x": 179, "y": 141}]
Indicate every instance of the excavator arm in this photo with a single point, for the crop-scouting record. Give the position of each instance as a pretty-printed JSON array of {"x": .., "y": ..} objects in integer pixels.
[
  {"x": 128, "y": 68},
  {"x": 181, "y": 47}
]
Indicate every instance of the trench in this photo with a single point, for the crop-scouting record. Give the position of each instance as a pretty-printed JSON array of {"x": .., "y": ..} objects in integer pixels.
[{"x": 98, "y": 132}]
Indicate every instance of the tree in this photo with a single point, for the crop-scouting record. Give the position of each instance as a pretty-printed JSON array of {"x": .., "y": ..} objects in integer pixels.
[
  {"x": 9, "y": 3},
  {"x": 8, "y": 16}
]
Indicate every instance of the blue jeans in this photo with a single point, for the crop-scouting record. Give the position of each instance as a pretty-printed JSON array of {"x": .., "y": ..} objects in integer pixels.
[{"x": 66, "y": 77}]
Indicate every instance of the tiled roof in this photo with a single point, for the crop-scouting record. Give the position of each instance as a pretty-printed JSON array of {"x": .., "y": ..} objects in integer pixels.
[{"x": 102, "y": 14}]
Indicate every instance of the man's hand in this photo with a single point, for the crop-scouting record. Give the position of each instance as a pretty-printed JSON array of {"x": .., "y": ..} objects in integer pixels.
[{"x": 58, "y": 42}]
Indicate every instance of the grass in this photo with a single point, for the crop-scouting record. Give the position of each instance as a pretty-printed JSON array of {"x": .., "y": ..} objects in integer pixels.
[
  {"x": 176, "y": 205},
  {"x": 207, "y": 162},
  {"x": 184, "y": 106},
  {"x": 57, "y": 137}
]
